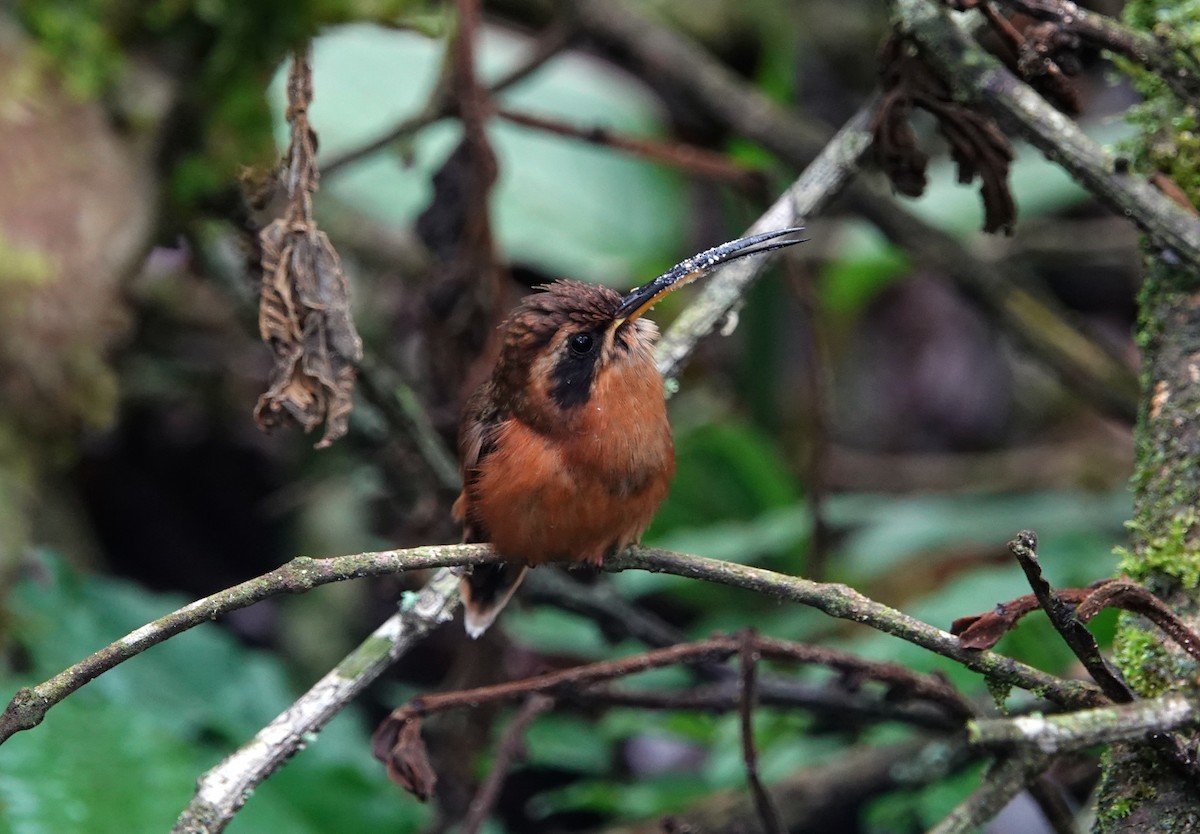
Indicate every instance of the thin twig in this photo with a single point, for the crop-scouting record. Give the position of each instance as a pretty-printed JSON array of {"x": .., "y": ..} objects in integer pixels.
[
  {"x": 816, "y": 431},
  {"x": 774, "y": 691},
  {"x": 1129, "y": 596},
  {"x": 619, "y": 618},
  {"x": 441, "y": 105},
  {"x": 899, "y": 679},
  {"x": 768, "y": 814},
  {"x": 402, "y": 408},
  {"x": 687, "y": 158},
  {"x": 1003, "y": 781},
  {"x": 507, "y": 750},
  {"x": 223, "y": 790},
  {"x": 616, "y": 616},
  {"x": 1062, "y": 617}
]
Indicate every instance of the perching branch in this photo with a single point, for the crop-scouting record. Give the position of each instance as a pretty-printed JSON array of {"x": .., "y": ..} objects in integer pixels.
[{"x": 29, "y": 705}]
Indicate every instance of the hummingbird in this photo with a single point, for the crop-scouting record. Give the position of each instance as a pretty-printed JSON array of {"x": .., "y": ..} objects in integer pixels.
[{"x": 566, "y": 451}]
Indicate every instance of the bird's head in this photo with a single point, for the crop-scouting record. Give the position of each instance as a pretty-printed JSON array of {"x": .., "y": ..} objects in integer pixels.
[{"x": 559, "y": 341}]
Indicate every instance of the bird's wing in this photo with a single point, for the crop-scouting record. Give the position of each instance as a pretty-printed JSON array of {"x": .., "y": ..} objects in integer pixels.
[
  {"x": 487, "y": 588},
  {"x": 476, "y": 440}
]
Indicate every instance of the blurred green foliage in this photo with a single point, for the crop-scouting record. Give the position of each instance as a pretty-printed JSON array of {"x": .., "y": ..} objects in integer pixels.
[
  {"x": 123, "y": 753},
  {"x": 221, "y": 54}
]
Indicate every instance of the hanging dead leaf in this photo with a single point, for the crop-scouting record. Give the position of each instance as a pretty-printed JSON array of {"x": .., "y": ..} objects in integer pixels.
[
  {"x": 304, "y": 302},
  {"x": 304, "y": 315},
  {"x": 398, "y": 744},
  {"x": 977, "y": 145}
]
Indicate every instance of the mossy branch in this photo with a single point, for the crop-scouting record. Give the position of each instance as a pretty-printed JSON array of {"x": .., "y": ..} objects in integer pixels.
[{"x": 1073, "y": 731}]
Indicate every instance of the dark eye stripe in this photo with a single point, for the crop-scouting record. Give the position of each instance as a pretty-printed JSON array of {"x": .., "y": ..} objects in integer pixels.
[{"x": 571, "y": 379}]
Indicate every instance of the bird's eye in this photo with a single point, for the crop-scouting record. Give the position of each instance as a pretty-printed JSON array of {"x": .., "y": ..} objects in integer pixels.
[{"x": 581, "y": 343}]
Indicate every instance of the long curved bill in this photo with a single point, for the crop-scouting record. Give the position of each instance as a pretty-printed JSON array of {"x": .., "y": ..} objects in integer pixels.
[{"x": 646, "y": 296}]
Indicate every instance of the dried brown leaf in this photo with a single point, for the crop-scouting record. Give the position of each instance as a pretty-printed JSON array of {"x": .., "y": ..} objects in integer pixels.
[
  {"x": 304, "y": 315},
  {"x": 977, "y": 145},
  {"x": 398, "y": 744},
  {"x": 304, "y": 303},
  {"x": 982, "y": 631}
]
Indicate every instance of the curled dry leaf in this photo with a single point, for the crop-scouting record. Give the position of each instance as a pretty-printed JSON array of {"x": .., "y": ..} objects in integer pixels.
[
  {"x": 304, "y": 315},
  {"x": 398, "y": 744},
  {"x": 304, "y": 303},
  {"x": 982, "y": 631},
  {"x": 977, "y": 145}
]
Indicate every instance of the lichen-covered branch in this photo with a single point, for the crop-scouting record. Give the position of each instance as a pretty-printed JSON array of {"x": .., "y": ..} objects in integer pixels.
[
  {"x": 1072, "y": 731},
  {"x": 844, "y": 602},
  {"x": 224, "y": 789},
  {"x": 29, "y": 706}
]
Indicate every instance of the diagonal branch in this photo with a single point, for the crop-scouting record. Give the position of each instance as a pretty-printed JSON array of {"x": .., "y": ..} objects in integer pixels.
[
  {"x": 1003, "y": 780},
  {"x": 722, "y": 292},
  {"x": 224, "y": 789},
  {"x": 1063, "y": 618},
  {"x": 506, "y": 751},
  {"x": 977, "y": 76}
]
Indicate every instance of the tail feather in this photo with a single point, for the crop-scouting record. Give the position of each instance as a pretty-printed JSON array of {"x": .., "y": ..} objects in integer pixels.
[{"x": 485, "y": 591}]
